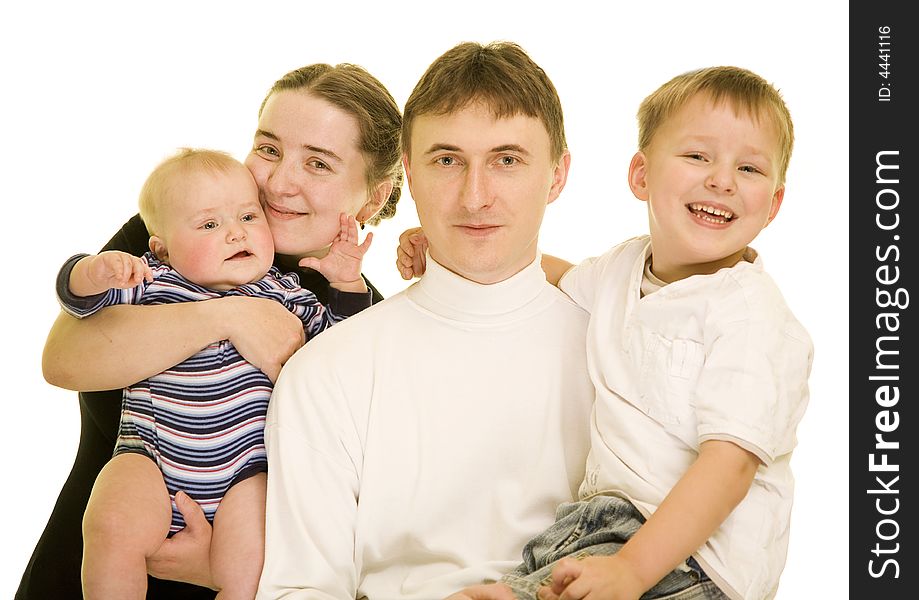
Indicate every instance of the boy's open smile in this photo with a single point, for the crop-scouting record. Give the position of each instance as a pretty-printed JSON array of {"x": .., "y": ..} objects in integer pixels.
[
  {"x": 711, "y": 179},
  {"x": 711, "y": 213}
]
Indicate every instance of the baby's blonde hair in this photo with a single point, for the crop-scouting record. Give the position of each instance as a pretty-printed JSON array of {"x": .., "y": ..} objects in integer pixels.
[
  {"x": 748, "y": 93},
  {"x": 160, "y": 182}
]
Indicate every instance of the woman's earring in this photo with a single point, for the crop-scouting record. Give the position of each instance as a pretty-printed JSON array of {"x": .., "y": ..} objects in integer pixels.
[{"x": 362, "y": 225}]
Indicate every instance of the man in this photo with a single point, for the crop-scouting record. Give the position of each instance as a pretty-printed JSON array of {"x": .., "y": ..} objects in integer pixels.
[{"x": 415, "y": 448}]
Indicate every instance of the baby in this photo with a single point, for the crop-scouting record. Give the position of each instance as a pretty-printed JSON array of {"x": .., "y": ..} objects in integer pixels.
[{"x": 197, "y": 428}]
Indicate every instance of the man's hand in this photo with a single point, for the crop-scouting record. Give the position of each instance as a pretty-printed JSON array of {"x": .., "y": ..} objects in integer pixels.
[
  {"x": 186, "y": 556},
  {"x": 410, "y": 255}
]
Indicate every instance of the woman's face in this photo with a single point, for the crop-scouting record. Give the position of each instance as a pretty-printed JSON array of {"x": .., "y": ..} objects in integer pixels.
[{"x": 306, "y": 162}]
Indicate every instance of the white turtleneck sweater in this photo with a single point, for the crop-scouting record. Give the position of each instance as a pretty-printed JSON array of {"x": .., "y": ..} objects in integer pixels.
[{"x": 416, "y": 447}]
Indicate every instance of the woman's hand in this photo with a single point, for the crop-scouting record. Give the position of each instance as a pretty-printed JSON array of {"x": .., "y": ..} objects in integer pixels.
[{"x": 264, "y": 331}]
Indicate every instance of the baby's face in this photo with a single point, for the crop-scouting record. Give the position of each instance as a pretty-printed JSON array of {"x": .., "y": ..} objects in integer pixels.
[
  {"x": 215, "y": 231},
  {"x": 711, "y": 180}
]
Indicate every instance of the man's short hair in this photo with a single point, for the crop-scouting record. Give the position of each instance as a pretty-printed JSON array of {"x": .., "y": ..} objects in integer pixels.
[{"x": 500, "y": 75}]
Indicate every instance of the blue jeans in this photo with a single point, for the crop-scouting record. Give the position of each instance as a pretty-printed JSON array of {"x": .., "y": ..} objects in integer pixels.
[{"x": 600, "y": 527}]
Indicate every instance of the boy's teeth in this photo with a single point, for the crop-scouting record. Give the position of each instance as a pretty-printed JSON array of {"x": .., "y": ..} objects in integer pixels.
[{"x": 712, "y": 210}]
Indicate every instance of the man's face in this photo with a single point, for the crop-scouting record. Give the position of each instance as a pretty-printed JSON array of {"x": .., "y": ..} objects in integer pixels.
[{"x": 481, "y": 186}]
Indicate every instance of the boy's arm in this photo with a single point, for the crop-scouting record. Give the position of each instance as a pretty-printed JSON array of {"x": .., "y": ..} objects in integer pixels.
[
  {"x": 554, "y": 268},
  {"x": 696, "y": 506}
]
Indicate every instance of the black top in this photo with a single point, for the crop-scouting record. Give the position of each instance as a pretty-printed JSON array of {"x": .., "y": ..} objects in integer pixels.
[{"x": 54, "y": 569}]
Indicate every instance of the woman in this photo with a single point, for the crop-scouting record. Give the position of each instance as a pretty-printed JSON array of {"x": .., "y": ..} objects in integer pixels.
[{"x": 327, "y": 142}]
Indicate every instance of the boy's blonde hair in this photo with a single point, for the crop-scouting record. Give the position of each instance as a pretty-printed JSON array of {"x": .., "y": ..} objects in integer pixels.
[
  {"x": 748, "y": 93},
  {"x": 161, "y": 182},
  {"x": 501, "y": 75}
]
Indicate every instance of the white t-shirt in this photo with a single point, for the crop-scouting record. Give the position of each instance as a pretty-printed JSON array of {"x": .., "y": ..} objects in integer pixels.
[
  {"x": 709, "y": 357},
  {"x": 415, "y": 448}
]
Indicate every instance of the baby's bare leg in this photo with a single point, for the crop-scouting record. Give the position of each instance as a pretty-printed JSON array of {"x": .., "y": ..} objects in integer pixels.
[
  {"x": 238, "y": 543},
  {"x": 126, "y": 520}
]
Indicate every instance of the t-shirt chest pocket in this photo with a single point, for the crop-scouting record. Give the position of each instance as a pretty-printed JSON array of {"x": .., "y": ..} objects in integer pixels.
[{"x": 669, "y": 374}]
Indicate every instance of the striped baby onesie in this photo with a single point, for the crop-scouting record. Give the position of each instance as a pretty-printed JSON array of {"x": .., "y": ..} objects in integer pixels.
[{"x": 202, "y": 421}]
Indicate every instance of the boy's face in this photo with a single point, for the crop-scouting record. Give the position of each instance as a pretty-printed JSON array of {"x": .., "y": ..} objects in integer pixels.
[
  {"x": 481, "y": 186},
  {"x": 214, "y": 231},
  {"x": 711, "y": 180}
]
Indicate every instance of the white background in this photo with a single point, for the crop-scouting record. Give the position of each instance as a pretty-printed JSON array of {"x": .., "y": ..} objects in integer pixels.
[{"x": 95, "y": 94}]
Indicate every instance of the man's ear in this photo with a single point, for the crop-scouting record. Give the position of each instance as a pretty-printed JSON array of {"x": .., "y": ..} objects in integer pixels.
[
  {"x": 777, "y": 198},
  {"x": 638, "y": 176},
  {"x": 158, "y": 248},
  {"x": 559, "y": 177}
]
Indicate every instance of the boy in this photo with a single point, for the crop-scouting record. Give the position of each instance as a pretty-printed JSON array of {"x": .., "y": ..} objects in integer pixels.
[
  {"x": 700, "y": 368},
  {"x": 200, "y": 423}
]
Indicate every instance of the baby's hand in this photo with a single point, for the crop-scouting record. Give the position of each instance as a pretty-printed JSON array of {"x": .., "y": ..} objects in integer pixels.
[
  {"x": 114, "y": 269},
  {"x": 107, "y": 270},
  {"x": 342, "y": 265},
  {"x": 410, "y": 255}
]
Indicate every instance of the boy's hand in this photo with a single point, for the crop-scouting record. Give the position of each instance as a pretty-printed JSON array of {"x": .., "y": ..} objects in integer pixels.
[
  {"x": 107, "y": 270},
  {"x": 410, "y": 255},
  {"x": 342, "y": 265},
  {"x": 595, "y": 576}
]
